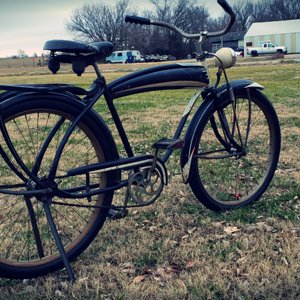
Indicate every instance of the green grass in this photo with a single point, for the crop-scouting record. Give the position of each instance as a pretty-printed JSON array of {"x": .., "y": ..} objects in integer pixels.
[{"x": 181, "y": 249}]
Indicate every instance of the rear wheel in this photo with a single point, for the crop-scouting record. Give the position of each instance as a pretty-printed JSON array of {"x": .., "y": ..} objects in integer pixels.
[
  {"x": 226, "y": 173},
  {"x": 26, "y": 251}
]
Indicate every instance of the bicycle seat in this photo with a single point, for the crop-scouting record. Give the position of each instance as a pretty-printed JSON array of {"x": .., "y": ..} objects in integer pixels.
[
  {"x": 85, "y": 54},
  {"x": 101, "y": 49}
]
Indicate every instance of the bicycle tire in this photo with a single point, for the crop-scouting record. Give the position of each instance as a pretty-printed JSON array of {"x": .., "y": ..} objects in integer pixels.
[
  {"x": 28, "y": 122},
  {"x": 232, "y": 182}
]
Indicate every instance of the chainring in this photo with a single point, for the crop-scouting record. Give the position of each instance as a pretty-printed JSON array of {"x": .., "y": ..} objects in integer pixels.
[{"x": 145, "y": 186}]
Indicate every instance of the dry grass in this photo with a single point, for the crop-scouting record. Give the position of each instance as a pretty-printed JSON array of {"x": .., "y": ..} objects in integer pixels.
[{"x": 176, "y": 248}]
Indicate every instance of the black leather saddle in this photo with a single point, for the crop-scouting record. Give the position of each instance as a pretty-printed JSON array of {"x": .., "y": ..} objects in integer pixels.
[
  {"x": 80, "y": 55},
  {"x": 100, "y": 48}
]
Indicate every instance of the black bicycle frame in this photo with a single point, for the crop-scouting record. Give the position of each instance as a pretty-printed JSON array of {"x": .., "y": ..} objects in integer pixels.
[{"x": 151, "y": 79}]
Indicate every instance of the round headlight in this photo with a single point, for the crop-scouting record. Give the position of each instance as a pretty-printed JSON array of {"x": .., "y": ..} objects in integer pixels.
[{"x": 227, "y": 56}]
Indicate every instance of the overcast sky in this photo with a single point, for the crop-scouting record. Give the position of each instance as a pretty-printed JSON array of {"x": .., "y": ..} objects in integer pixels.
[{"x": 27, "y": 24}]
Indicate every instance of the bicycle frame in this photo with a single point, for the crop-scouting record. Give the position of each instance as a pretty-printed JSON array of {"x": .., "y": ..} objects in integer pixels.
[
  {"x": 112, "y": 92},
  {"x": 170, "y": 72}
]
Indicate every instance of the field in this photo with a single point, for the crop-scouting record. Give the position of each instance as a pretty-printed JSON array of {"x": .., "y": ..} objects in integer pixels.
[{"x": 176, "y": 248}]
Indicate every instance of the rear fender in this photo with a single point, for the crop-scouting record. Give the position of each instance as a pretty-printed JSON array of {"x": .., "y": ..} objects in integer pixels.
[{"x": 66, "y": 98}]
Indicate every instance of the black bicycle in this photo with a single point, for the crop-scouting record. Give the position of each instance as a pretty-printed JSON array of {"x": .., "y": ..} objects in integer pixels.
[{"x": 60, "y": 165}]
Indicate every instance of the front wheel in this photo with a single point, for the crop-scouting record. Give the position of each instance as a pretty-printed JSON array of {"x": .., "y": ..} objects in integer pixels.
[{"x": 236, "y": 152}]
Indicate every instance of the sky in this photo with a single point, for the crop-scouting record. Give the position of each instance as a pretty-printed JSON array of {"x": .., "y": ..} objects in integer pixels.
[{"x": 28, "y": 24}]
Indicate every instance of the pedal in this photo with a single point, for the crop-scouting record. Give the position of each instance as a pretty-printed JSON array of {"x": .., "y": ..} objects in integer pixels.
[
  {"x": 117, "y": 213},
  {"x": 166, "y": 143}
]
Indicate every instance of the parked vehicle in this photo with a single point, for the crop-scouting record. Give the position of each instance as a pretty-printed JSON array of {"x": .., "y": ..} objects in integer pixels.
[
  {"x": 125, "y": 56},
  {"x": 266, "y": 47},
  {"x": 147, "y": 58},
  {"x": 239, "y": 51},
  {"x": 157, "y": 57},
  {"x": 171, "y": 57}
]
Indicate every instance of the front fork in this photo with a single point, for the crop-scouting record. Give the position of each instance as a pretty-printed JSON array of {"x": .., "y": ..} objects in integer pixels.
[
  {"x": 227, "y": 129},
  {"x": 232, "y": 138}
]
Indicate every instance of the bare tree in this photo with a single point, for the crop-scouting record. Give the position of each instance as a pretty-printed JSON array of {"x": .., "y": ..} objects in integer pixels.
[
  {"x": 276, "y": 10},
  {"x": 244, "y": 15},
  {"x": 22, "y": 53},
  {"x": 184, "y": 14},
  {"x": 288, "y": 9},
  {"x": 100, "y": 22}
]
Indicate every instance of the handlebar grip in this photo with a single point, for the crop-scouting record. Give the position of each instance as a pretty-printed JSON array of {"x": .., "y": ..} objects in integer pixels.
[
  {"x": 226, "y": 7},
  {"x": 137, "y": 20}
]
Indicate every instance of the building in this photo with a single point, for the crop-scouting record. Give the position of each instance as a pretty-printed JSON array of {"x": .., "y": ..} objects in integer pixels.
[
  {"x": 282, "y": 33},
  {"x": 231, "y": 39}
]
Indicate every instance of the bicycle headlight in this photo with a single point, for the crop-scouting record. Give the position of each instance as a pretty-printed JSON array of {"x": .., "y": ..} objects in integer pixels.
[{"x": 227, "y": 56}]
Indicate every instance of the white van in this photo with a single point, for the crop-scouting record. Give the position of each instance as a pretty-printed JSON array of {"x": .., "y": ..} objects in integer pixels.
[{"x": 125, "y": 56}]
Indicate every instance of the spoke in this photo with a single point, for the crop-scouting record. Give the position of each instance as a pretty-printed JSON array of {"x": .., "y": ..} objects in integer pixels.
[
  {"x": 67, "y": 219},
  {"x": 33, "y": 143},
  {"x": 38, "y": 146},
  {"x": 5, "y": 168},
  {"x": 23, "y": 137},
  {"x": 44, "y": 131},
  {"x": 8, "y": 214},
  {"x": 16, "y": 236},
  {"x": 72, "y": 146},
  {"x": 10, "y": 228},
  {"x": 78, "y": 214},
  {"x": 12, "y": 205}
]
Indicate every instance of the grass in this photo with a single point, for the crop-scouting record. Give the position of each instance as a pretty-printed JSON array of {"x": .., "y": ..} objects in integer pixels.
[{"x": 176, "y": 248}]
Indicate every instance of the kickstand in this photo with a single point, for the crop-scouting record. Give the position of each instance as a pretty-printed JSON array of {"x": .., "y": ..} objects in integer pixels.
[
  {"x": 58, "y": 241},
  {"x": 116, "y": 213}
]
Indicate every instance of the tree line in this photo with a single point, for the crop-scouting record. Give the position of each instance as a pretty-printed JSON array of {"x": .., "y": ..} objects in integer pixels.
[{"x": 102, "y": 22}]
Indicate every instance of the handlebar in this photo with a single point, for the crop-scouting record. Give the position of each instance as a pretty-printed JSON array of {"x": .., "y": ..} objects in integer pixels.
[
  {"x": 223, "y": 3},
  {"x": 137, "y": 20},
  {"x": 227, "y": 8}
]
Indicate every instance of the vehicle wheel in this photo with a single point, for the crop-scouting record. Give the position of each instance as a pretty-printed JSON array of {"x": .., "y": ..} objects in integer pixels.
[
  {"x": 108, "y": 62},
  {"x": 279, "y": 51},
  {"x": 224, "y": 177},
  {"x": 254, "y": 53},
  {"x": 29, "y": 124}
]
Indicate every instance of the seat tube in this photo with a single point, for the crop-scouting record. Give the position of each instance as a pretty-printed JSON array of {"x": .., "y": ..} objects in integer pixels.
[{"x": 118, "y": 124}]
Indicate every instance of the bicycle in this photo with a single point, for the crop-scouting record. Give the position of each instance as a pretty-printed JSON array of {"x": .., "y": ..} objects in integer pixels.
[{"x": 60, "y": 164}]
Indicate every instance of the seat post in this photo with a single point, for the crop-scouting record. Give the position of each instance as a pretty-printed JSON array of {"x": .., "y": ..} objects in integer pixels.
[{"x": 97, "y": 70}]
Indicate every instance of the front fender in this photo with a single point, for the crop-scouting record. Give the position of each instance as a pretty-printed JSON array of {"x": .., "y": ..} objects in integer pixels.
[
  {"x": 239, "y": 85},
  {"x": 209, "y": 104}
]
